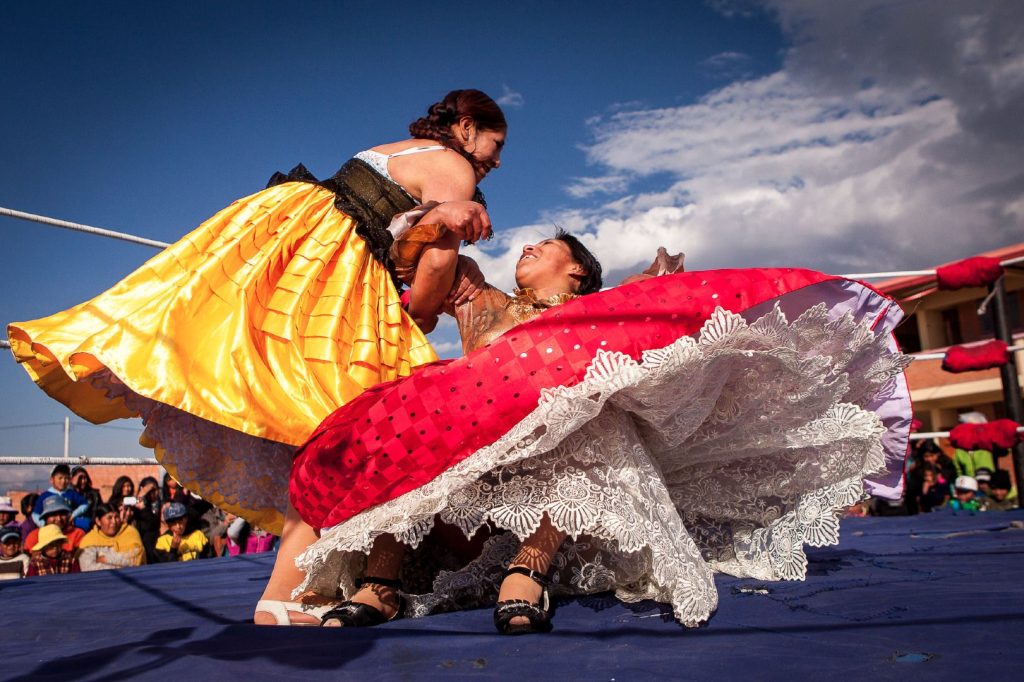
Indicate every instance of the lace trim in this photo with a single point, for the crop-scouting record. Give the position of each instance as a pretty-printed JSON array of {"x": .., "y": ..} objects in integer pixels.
[{"x": 726, "y": 452}]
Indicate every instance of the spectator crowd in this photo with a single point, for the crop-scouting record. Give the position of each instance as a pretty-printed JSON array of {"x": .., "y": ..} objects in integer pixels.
[
  {"x": 69, "y": 528},
  {"x": 963, "y": 481}
]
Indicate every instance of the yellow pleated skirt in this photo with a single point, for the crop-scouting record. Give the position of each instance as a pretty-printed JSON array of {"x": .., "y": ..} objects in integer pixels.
[{"x": 233, "y": 344}]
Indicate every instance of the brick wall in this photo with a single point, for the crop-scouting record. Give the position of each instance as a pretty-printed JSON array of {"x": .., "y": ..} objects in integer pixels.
[{"x": 103, "y": 478}]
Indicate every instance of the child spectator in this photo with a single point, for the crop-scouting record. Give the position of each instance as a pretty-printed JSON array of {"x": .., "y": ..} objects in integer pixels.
[
  {"x": 56, "y": 512},
  {"x": 49, "y": 556},
  {"x": 8, "y": 513},
  {"x": 111, "y": 543},
  {"x": 28, "y": 525},
  {"x": 13, "y": 562},
  {"x": 965, "y": 491},
  {"x": 180, "y": 543},
  {"x": 999, "y": 498},
  {"x": 934, "y": 491},
  {"x": 81, "y": 482},
  {"x": 60, "y": 479},
  {"x": 933, "y": 456},
  {"x": 983, "y": 476}
]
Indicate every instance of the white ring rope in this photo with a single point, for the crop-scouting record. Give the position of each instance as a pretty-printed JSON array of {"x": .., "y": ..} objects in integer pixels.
[
  {"x": 940, "y": 356},
  {"x": 880, "y": 275},
  {"x": 943, "y": 434},
  {"x": 82, "y": 228},
  {"x": 918, "y": 273},
  {"x": 77, "y": 460}
]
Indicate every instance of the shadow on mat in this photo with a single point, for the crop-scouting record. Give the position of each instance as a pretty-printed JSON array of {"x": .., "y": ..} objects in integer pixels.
[{"x": 314, "y": 649}]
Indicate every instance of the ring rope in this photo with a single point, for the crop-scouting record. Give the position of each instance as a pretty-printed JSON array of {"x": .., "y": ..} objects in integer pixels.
[
  {"x": 943, "y": 434},
  {"x": 77, "y": 460},
  {"x": 10, "y": 212},
  {"x": 940, "y": 356}
]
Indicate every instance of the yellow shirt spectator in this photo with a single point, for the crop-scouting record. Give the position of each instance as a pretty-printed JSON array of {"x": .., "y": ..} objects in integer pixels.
[
  {"x": 192, "y": 546},
  {"x": 111, "y": 543}
]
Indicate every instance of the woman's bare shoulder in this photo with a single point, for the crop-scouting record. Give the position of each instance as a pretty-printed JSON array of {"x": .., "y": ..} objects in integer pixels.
[{"x": 411, "y": 143}]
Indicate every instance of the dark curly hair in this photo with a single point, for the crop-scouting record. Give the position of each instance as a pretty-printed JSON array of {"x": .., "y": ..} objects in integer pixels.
[
  {"x": 437, "y": 124},
  {"x": 581, "y": 255}
]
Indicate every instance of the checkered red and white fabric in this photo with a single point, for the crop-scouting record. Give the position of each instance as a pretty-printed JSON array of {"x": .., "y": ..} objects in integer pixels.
[{"x": 398, "y": 436}]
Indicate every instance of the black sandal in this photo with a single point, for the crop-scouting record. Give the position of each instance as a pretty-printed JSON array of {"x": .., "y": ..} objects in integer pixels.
[
  {"x": 355, "y": 615},
  {"x": 538, "y": 614}
]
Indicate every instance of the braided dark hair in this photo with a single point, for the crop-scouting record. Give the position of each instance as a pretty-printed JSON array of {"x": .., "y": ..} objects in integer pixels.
[{"x": 441, "y": 116}]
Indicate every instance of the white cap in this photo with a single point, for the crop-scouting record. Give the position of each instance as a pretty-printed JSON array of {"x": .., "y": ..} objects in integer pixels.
[{"x": 965, "y": 483}]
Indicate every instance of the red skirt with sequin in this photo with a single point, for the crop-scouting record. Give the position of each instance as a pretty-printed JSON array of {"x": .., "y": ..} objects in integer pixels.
[{"x": 399, "y": 436}]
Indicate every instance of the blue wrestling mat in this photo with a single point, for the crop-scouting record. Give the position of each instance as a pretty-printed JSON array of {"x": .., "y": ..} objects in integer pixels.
[{"x": 931, "y": 597}]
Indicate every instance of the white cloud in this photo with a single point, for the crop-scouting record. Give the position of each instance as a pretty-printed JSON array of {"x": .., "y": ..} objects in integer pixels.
[
  {"x": 510, "y": 98},
  {"x": 585, "y": 187},
  {"x": 892, "y": 137},
  {"x": 447, "y": 348},
  {"x": 730, "y": 64},
  {"x": 445, "y": 338}
]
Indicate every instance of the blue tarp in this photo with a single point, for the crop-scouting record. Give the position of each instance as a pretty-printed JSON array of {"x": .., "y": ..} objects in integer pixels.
[{"x": 937, "y": 596}]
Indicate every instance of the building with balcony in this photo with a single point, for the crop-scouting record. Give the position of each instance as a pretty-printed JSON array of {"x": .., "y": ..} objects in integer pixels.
[{"x": 940, "y": 319}]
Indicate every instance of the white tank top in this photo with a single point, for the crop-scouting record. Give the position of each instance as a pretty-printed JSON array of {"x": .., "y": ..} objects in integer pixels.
[{"x": 379, "y": 162}]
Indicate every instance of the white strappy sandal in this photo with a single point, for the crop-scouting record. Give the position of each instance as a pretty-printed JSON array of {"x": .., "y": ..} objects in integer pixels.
[{"x": 282, "y": 610}]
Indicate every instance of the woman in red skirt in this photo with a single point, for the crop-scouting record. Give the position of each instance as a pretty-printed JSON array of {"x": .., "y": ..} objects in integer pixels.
[{"x": 636, "y": 440}]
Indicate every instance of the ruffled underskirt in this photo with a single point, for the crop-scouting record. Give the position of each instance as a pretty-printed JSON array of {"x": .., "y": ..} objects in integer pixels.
[{"x": 724, "y": 451}]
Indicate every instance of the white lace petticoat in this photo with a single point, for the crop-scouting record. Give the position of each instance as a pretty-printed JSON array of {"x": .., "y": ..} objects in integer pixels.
[{"x": 725, "y": 452}]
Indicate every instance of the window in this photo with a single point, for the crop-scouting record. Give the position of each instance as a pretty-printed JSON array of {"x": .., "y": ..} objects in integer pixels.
[
  {"x": 907, "y": 336},
  {"x": 951, "y": 324}
]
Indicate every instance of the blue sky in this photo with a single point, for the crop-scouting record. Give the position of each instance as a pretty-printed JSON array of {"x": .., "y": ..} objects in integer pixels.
[{"x": 837, "y": 136}]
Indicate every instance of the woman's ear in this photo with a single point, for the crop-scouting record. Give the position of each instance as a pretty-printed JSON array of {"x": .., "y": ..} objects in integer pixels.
[
  {"x": 467, "y": 128},
  {"x": 576, "y": 275}
]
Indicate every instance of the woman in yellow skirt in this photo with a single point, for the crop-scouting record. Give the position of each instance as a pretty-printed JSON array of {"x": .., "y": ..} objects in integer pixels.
[{"x": 235, "y": 342}]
